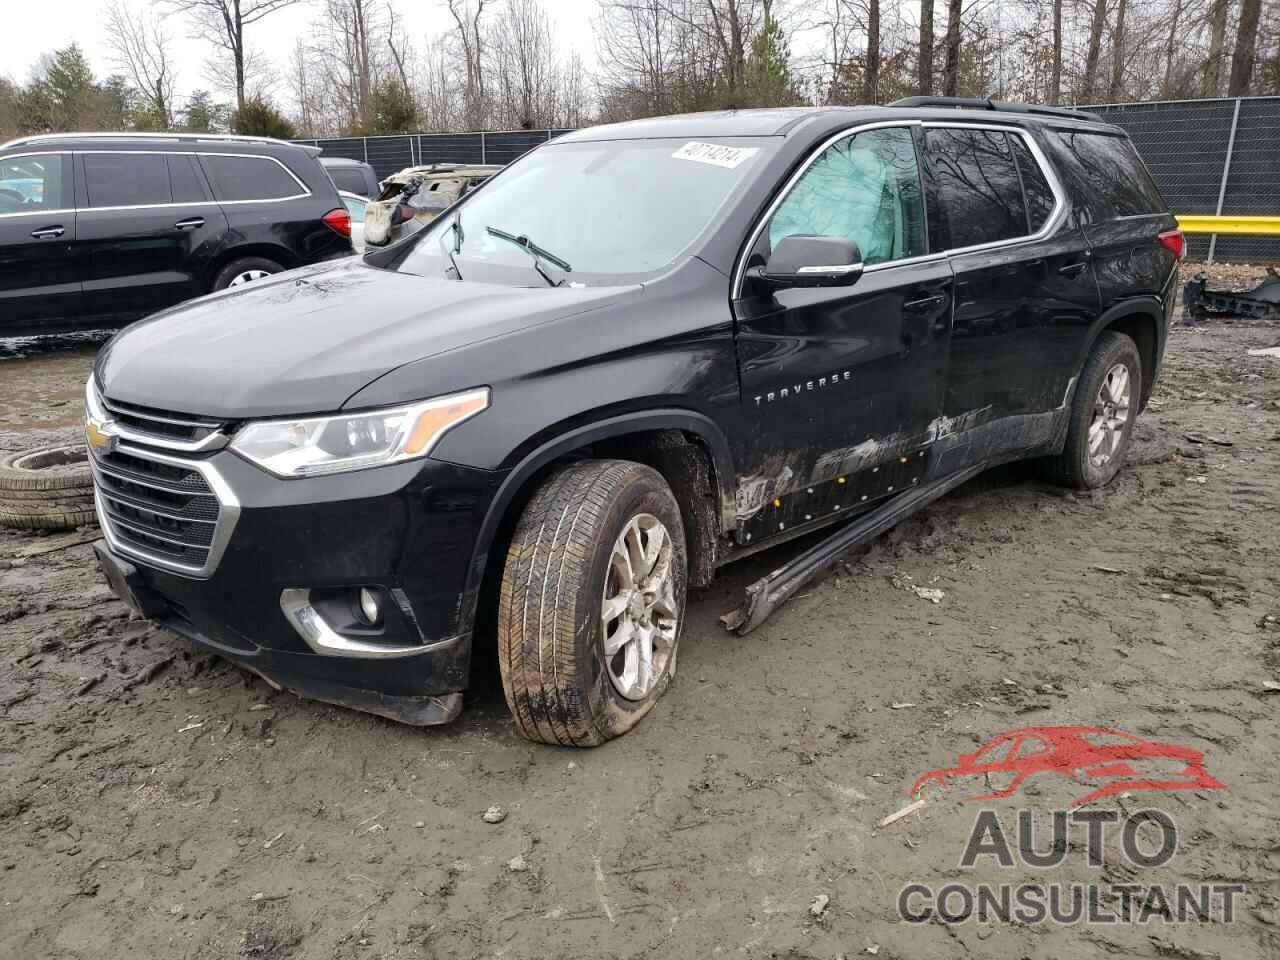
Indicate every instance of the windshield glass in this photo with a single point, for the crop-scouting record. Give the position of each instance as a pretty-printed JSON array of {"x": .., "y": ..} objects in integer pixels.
[{"x": 610, "y": 209}]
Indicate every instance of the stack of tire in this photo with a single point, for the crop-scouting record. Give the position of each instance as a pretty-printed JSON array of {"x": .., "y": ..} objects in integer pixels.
[{"x": 46, "y": 488}]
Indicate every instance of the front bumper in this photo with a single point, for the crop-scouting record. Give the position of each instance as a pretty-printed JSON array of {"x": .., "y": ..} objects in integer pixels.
[{"x": 407, "y": 528}]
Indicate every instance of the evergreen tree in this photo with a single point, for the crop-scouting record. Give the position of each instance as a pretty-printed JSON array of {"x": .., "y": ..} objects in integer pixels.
[
  {"x": 258, "y": 118},
  {"x": 769, "y": 80},
  {"x": 392, "y": 109},
  {"x": 204, "y": 114}
]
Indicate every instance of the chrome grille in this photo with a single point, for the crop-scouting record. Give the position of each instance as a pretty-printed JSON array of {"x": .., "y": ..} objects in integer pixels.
[
  {"x": 172, "y": 512},
  {"x": 161, "y": 428}
]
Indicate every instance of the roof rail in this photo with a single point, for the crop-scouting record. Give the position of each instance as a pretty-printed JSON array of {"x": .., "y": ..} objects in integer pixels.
[
  {"x": 119, "y": 135},
  {"x": 1004, "y": 106}
]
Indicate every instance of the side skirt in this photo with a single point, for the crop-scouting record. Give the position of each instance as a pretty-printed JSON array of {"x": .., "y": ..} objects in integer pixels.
[{"x": 771, "y": 591}]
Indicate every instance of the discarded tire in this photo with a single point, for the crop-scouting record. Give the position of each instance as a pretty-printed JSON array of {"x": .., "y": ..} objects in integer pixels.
[{"x": 48, "y": 488}]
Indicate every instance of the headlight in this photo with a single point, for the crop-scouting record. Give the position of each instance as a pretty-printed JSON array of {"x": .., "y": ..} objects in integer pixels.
[{"x": 320, "y": 445}]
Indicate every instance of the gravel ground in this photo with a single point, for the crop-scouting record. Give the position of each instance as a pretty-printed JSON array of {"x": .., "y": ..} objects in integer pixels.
[{"x": 158, "y": 802}]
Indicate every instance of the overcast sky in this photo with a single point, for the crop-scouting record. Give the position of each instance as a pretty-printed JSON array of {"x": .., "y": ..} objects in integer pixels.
[{"x": 33, "y": 27}]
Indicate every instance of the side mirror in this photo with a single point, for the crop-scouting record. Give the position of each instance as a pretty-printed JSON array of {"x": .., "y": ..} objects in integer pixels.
[{"x": 811, "y": 261}]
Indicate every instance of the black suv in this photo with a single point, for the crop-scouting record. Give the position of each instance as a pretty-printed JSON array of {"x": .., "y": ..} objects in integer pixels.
[
  {"x": 99, "y": 229},
  {"x": 638, "y": 353}
]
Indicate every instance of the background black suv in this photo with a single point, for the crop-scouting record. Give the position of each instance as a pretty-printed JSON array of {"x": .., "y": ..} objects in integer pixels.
[{"x": 97, "y": 230}]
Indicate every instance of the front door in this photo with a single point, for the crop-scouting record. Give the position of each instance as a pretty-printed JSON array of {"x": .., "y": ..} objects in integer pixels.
[
  {"x": 39, "y": 289},
  {"x": 841, "y": 385}
]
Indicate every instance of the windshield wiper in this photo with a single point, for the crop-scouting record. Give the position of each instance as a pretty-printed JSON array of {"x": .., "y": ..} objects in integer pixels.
[
  {"x": 458, "y": 237},
  {"x": 538, "y": 253}
]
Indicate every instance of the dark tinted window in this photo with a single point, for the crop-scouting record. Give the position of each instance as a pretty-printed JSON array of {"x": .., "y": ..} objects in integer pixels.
[
  {"x": 1035, "y": 188},
  {"x": 35, "y": 183},
  {"x": 248, "y": 178},
  {"x": 185, "y": 180},
  {"x": 1106, "y": 175},
  {"x": 349, "y": 179},
  {"x": 865, "y": 188},
  {"x": 126, "y": 179},
  {"x": 977, "y": 195}
]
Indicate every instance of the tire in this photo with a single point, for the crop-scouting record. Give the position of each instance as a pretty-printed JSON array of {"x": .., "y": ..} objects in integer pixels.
[
  {"x": 227, "y": 275},
  {"x": 1077, "y": 466},
  {"x": 48, "y": 488},
  {"x": 559, "y": 684}
]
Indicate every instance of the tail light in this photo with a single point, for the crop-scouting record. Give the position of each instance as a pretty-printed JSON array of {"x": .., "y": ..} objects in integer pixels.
[
  {"x": 339, "y": 221},
  {"x": 1174, "y": 242},
  {"x": 403, "y": 213}
]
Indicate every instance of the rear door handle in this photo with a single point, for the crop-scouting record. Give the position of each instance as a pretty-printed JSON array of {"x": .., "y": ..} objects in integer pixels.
[
  {"x": 48, "y": 233},
  {"x": 191, "y": 223},
  {"x": 1073, "y": 269}
]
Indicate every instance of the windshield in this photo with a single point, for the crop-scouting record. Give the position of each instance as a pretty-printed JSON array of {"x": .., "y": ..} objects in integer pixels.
[{"x": 611, "y": 209}]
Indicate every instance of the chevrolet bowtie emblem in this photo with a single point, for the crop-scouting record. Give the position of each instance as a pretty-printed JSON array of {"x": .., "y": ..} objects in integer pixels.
[{"x": 98, "y": 436}]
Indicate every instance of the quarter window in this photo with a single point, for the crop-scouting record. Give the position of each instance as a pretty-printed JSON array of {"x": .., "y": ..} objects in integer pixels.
[
  {"x": 248, "y": 178},
  {"x": 349, "y": 179},
  {"x": 34, "y": 183},
  {"x": 977, "y": 191},
  {"x": 865, "y": 188},
  {"x": 1107, "y": 175},
  {"x": 126, "y": 179}
]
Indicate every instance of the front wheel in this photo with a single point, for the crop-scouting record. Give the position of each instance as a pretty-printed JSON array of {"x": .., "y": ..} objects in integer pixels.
[
  {"x": 592, "y": 603},
  {"x": 1103, "y": 410}
]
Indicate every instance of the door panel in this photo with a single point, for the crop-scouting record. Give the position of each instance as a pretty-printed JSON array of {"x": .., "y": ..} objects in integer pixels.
[{"x": 39, "y": 288}]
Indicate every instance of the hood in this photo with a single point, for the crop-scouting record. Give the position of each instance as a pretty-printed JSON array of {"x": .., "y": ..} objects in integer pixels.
[{"x": 305, "y": 341}]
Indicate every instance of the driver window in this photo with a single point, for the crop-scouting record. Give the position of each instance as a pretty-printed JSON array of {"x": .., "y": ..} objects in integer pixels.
[
  {"x": 865, "y": 188},
  {"x": 33, "y": 183}
]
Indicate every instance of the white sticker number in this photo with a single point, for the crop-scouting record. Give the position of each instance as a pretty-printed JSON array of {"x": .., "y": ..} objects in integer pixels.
[{"x": 715, "y": 154}]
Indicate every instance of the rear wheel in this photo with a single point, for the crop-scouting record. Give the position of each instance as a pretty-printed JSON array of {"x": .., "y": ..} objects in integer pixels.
[
  {"x": 592, "y": 603},
  {"x": 245, "y": 270},
  {"x": 1102, "y": 415}
]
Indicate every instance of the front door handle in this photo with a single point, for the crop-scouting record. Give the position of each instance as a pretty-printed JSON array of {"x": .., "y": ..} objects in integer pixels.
[
  {"x": 191, "y": 223},
  {"x": 48, "y": 233},
  {"x": 1073, "y": 269}
]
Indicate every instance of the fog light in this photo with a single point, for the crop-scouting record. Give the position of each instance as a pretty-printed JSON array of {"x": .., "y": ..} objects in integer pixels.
[{"x": 369, "y": 607}]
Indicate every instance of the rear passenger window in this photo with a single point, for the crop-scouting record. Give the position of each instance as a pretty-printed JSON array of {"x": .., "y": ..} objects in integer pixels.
[
  {"x": 185, "y": 180},
  {"x": 1035, "y": 188},
  {"x": 248, "y": 178},
  {"x": 126, "y": 179},
  {"x": 977, "y": 194},
  {"x": 1106, "y": 175},
  {"x": 865, "y": 188}
]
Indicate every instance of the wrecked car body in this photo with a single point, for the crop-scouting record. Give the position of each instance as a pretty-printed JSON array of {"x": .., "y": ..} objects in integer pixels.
[
  {"x": 415, "y": 196},
  {"x": 1260, "y": 303},
  {"x": 642, "y": 352}
]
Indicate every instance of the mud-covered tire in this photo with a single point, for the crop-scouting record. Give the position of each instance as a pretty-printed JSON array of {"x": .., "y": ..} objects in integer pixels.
[
  {"x": 245, "y": 265},
  {"x": 47, "y": 488},
  {"x": 550, "y": 629},
  {"x": 1074, "y": 466}
]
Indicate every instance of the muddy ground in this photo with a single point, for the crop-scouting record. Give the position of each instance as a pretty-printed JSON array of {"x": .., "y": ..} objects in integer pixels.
[{"x": 157, "y": 802}]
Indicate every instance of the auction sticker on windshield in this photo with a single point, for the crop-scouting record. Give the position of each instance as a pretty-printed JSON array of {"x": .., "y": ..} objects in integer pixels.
[{"x": 715, "y": 154}]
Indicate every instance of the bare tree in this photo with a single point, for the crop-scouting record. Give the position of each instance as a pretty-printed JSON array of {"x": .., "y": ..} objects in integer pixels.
[
  {"x": 926, "y": 47},
  {"x": 951, "y": 46},
  {"x": 1089, "y": 80},
  {"x": 1246, "y": 48},
  {"x": 524, "y": 73},
  {"x": 1217, "y": 48},
  {"x": 871, "y": 74},
  {"x": 467, "y": 15},
  {"x": 223, "y": 23},
  {"x": 1055, "y": 69},
  {"x": 1115, "y": 91},
  {"x": 140, "y": 46}
]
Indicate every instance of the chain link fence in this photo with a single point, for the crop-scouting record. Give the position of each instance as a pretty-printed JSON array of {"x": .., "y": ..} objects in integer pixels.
[{"x": 1207, "y": 156}]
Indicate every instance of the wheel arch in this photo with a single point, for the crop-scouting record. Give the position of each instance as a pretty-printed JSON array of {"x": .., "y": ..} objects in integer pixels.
[
  {"x": 1143, "y": 321},
  {"x": 687, "y": 448}
]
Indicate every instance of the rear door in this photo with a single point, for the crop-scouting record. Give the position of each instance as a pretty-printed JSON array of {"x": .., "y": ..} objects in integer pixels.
[
  {"x": 146, "y": 229},
  {"x": 1023, "y": 288},
  {"x": 39, "y": 287}
]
